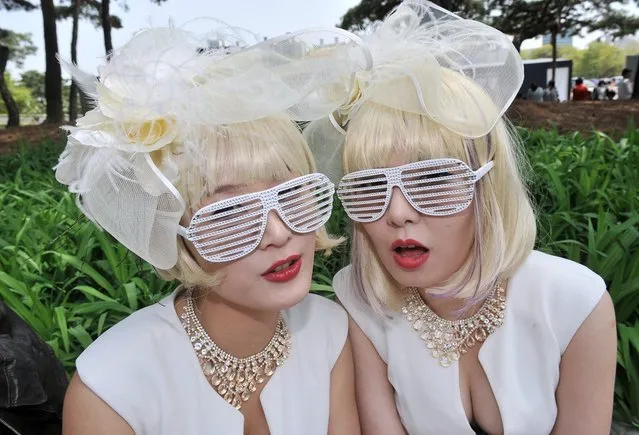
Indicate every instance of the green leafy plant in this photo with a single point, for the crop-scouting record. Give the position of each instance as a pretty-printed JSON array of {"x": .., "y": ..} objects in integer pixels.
[
  {"x": 71, "y": 281},
  {"x": 627, "y": 388}
]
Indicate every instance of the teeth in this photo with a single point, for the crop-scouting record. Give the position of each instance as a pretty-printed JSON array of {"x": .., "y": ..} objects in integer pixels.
[
  {"x": 282, "y": 266},
  {"x": 410, "y": 246}
]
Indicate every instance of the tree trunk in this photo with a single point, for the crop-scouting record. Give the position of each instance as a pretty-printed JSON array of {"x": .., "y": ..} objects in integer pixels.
[
  {"x": 73, "y": 93},
  {"x": 53, "y": 73},
  {"x": 553, "y": 41},
  {"x": 12, "y": 108},
  {"x": 517, "y": 42},
  {"x": 635, "y": 88},
  {"x": 106, "y": 27}
]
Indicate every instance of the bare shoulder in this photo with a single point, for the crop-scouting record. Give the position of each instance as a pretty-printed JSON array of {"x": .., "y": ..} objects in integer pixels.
[
  {"x": 598, "y": 328},
  {"x": 84, "y": 412},
  {"x": 585, "y": 407}
]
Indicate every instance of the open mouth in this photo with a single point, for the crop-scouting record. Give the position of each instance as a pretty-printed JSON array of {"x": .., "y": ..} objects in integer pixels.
[
  {"x": 409, "y": 254},
  {"x": 410, "y": 250},
  {"x": 283, "y": 266},
  {"x": 284, "y": 270}
]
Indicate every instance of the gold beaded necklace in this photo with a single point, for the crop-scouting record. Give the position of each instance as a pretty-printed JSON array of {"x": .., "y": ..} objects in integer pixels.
[
  {"x": 449, "y": 339},
  {"x": 235, "y": 378}
]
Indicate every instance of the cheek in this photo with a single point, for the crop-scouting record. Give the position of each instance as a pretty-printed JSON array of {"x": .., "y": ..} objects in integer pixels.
[
  {"x": 307, "y": 242},
  {"x": 377, "y": 233},
  {"x": 237, "y": 278},
  {"x": 455, "y": 234}
]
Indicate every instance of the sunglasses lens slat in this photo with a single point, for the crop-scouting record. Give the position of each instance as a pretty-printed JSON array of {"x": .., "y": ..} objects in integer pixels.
[
  {"x": 223, "y": 209},
  {"x": 302, "y": 222},
  {"x": 436, "y": 191},
  {"x": 232, "y": 235},
  {"x": 227, "y": 229},
  {"x": 320, "y": 201},
  {"x": 231, "y": 254},
  {"x": 364, "y": 195},
  {"x": 209, "y": 231},
  {"x": 311, "y": 208},
  {"x": 417, "y": 197}
]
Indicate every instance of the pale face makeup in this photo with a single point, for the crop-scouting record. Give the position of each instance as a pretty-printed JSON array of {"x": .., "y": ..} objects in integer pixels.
[
  {"x": 419, "y": 250},
  {"x": 277, "y": 274}
]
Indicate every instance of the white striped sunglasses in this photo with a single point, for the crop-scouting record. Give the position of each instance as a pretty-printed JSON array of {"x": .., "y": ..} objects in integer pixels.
[
  {"x": 232, "y": 228},
  {"x": 437, "y": 187}
]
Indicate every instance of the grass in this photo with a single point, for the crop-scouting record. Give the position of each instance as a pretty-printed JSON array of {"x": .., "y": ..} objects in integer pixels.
[{"x": 71, "y": 282}]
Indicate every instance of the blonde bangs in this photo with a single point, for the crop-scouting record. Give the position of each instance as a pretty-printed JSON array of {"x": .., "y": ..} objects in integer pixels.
[
  {"x": 265, "y": 150},
  {"x": 377, "y": 134}
]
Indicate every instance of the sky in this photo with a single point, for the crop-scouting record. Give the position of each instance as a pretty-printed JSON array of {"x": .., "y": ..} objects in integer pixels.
[{"x": 265, "y": 17}]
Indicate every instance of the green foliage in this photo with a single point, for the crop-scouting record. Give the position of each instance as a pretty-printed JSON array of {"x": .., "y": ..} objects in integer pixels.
[
  {"x": 89, "y": 10},
  {"x": 22, "y": 96},
  {"x": 545, "y": 51},
  {"x": 598, "y": 60},
  {"x": 627, "y": 388},
  {"x": 71, "y": 281},
  {"x": 34, "y": 81},
  {"x": 587, "y": 194},
  {"x": 17, "y": 5},
  {"x": 530, "y": 18},
  {"x": 20, "y": 45}
]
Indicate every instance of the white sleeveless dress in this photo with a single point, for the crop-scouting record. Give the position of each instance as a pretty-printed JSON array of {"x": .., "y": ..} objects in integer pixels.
[
  {"x": 145, "y": 369},
  {"x": 547, "y": 300}
]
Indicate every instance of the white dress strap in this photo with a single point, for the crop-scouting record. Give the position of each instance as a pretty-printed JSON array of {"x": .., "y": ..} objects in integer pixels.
[{"x": 371, "y": 323}]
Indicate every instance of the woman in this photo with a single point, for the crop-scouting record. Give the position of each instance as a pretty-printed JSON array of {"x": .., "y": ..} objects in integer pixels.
[
  {"x": 191, "y": 160},
  {"x": 458, "y": 325}
]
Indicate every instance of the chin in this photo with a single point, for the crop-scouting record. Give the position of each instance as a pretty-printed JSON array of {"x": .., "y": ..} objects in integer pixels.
[
  {"x": 420, "y": 278},
  {"x": 283, "y": 296}
]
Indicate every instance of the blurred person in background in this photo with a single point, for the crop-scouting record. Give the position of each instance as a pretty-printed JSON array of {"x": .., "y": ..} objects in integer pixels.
[
  {"x": 626, "y": 85},
  {"x": 550, "y": 93},
  {"x": 580, "y": 91},
  {"x": 535, "y": 93}
]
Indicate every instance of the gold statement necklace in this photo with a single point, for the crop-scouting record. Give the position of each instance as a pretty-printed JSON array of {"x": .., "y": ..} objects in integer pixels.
[
  {"x": 449, "y": 339},
  {"x": 235, "y": 378}
]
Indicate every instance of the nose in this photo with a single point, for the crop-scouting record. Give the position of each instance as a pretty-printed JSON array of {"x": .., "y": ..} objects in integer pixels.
[
  {"x": 276, "y": 234},
  {"x": 400, "y": 212}
]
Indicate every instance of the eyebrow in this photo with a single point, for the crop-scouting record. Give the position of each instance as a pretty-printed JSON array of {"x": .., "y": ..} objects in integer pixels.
[{"x": 225, "y": 188}]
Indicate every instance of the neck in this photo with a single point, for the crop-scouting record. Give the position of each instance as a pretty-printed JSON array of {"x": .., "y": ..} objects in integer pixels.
[
  {"x": 449, "y": 308},
  {"x": 237, "y": 330}
]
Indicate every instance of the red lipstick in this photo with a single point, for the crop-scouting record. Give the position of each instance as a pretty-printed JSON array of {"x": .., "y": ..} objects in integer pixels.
[
  {"x": 409, "y": 254},
  {"x": 284, "y": 270}
]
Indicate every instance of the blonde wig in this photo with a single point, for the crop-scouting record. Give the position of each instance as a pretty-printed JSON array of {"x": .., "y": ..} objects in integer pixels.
[
  {"x": 505, "y": 227},
  {"x": 269, "y": 149}
]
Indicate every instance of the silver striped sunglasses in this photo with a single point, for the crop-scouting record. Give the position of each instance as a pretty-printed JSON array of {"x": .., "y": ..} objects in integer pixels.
[
  {"x": 232, "y": 228},
  {"x": 437, "y": 187}
]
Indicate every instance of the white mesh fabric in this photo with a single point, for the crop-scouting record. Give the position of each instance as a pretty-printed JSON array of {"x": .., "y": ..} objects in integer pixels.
[
  {"x": 144, "y": 219},
  {"x": 163, "y": 89},
  {"x": 419, "y": 42},
  {"x": 306, "y": 74},
  {"x": 414, "y": 50},
  {"x": 326, "y": 143}
]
